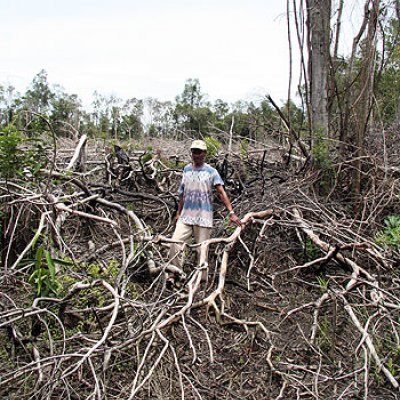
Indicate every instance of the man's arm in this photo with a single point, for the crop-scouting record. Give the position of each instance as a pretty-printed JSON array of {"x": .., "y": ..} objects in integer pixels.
[{"x": 227, "y": 203}]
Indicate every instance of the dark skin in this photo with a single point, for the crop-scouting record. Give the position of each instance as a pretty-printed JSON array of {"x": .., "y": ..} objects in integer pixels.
[{"x": 198, "y": 160}]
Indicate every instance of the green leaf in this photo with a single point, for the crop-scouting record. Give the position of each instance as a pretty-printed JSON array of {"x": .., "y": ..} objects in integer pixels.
[
  {"x": 38, "y": 257},
  {"x": 35, "y": 239},
  {"x": 50, "y": 264},
  {"x": 64, "y": 263}
]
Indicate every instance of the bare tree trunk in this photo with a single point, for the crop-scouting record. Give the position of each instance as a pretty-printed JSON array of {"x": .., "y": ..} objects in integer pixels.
[
  {"x": 79, "y": 158},
  {"x": 363, "y": 104},
  {"x": 318, "y": 23},
  {"x": 348, "y": 88}
]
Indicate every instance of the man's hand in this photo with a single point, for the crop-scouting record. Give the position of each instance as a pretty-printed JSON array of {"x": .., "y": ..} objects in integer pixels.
[
  {"x": 235, "y": 219},
  {"x": 227, "y": 203}
]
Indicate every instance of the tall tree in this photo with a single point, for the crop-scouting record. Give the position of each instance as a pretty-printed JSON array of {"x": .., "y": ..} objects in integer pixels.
[
  {"x": 318, "y": 23},
  {"x": 191, "y": 95},
  {"x": 341, "y": 89},
  {"x": 131, "y": 121},
  {"x": 65, "y": 112},
  {"x": 388, "y": 87},
  {"x": 364, "y": 102},
  {"x": 8, "y": 103},
  {"x": 190, "y": 110},
  {"x": 39, "y": 94}
]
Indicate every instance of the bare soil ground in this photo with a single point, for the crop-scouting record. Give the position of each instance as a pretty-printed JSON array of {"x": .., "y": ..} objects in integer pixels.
[{"x": 300, "y": 303}]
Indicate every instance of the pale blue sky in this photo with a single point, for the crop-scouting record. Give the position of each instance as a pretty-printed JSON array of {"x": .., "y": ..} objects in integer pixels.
[{"x": 147, "y": 48}]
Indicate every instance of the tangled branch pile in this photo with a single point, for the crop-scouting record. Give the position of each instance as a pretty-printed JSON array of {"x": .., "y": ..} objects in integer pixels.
[{"x": 301, "y": 302}]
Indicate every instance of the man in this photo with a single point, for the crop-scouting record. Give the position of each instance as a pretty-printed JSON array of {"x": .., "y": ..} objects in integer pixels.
[{"x": 195, "y": 209}]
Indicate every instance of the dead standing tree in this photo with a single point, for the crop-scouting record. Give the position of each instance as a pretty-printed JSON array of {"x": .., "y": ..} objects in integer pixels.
[
  {"x": 365, "y": 100},
  {"x": 339, "y": 101},
  {"x": 318, "y": 43}
]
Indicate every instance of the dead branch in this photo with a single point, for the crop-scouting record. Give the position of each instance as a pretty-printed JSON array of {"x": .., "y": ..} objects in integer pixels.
[{"x": 79, "y": 157}]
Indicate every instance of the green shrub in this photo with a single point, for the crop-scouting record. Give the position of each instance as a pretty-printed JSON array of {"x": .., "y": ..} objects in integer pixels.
[
  {"x": 322, "y": 157},
  {"x": 213, "y": 145},
  {"x": 311, "y": 250},
  {"x": 390, "y": 236},
  {"x": 244, "y": 148},
  {"x": 20, "y": 155},
  {"x": 44, "y": 277},
  {"x": 146, "y": 157}
]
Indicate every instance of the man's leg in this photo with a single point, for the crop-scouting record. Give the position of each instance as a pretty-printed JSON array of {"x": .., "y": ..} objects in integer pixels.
[
  {"x": 183, "y": 233},
  {"x": 202, "y": 234}
]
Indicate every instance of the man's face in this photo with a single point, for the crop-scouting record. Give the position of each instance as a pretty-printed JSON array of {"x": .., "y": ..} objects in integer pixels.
[{"x": 198, "y": 156}]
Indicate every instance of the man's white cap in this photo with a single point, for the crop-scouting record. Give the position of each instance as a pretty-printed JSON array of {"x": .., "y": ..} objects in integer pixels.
[{"x": 198, "y": 144}]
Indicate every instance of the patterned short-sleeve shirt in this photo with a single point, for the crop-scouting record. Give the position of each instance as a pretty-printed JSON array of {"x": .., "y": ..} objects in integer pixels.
[{"x": 197, "y": 188}]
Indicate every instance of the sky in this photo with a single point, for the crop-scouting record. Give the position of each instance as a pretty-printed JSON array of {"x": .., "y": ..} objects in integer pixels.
[{"x": 147, "y": 48}]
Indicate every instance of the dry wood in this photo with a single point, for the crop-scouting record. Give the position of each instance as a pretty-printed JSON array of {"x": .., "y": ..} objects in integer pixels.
[{"x": 264, "y": 325}]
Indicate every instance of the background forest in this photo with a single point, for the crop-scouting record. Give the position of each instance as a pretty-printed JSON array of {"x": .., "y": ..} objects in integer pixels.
[{"x": 301, "y": 302}]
